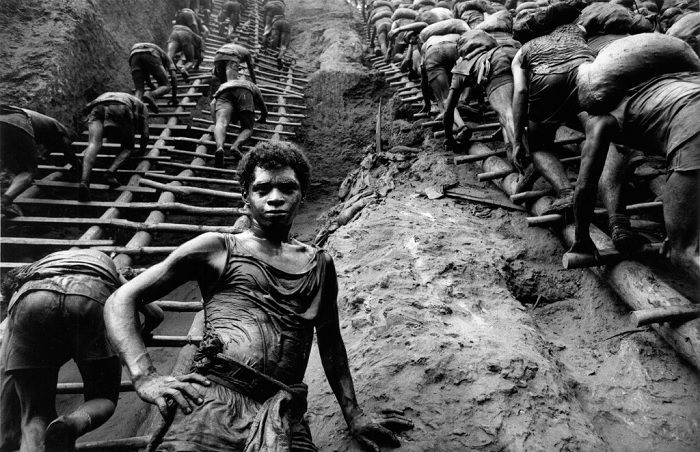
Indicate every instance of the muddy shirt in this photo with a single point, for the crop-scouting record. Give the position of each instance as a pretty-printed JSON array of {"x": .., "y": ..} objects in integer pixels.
[
  {"x": 83, "y": 272},
  {"x": 557, "y": 52},
  {"x": 663, "y": 114},
  {"x": 242, "y": 84},
  {"x": 231, "y": 52},
  {"x": 44, "y": 129},
  {"x": 265, "y": 317},
  {"x": 147, "y": 47}
]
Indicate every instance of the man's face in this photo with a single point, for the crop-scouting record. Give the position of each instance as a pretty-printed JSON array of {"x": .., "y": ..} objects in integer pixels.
[{"x": 274, "y": 197}]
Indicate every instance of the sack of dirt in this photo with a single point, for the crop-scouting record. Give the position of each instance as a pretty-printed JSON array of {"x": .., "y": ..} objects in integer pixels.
[
  {"x": 382, "y": 13},
  {"x": 474, "y": 5},
  {"x": 526, "y": 5},
  {"x": 686, "y": 5},
  {"x": 445, "y": 27},
  {"x": 404, "y": 13},
  {"x": 532, "y": 23},
  {"x": 605, "y": 18},
  {"x": 435, "y": 15},
  {"x": 417, "y": 4},
  {"x": 473, "y": 42},
  {"x": 378, "y": 3},
  {"x": 687, "y": 29},
  {"x": 501, "y": 21},
  {"x": 628, "y": 62},
  {"x": 414, "y": 27},
  {"x": 472, "y": 17}
]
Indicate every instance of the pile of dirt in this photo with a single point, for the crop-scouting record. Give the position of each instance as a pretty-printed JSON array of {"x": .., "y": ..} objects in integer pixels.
[{"x": 60, "y": 55}]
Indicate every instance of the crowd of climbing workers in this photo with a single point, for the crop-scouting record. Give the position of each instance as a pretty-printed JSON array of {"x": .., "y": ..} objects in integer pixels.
[
  {"x": 264, "y": 293},
  {"x": 624, "y": 73}
]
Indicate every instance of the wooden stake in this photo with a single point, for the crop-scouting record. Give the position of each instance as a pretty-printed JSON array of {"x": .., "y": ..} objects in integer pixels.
[{"x": 669, "y": 314}]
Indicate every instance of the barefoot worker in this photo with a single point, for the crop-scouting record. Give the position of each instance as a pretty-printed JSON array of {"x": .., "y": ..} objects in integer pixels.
[
  {"x": 55, "y": 314},
  {"x": 264, "y": 295}
]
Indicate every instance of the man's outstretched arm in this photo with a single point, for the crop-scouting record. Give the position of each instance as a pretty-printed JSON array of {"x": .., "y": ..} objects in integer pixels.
[
  {"x": 368, "y": 431},
  {"x": 520, "y": 96},
  {"x": 201, "y": 259}
]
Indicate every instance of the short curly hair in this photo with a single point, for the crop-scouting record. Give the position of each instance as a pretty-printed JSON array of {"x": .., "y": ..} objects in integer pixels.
[{"x": 275, "y": 155}]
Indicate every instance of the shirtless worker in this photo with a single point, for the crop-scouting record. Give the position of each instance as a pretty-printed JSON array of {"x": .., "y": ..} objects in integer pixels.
[
  {"x": 545, "y": 95},
  {"x": 22, "y": 131},
  {"x": 658, "y": 117},
  {"x": 438, "y": 57},
  {"x": 228, "y": 60},
  {"x": 55, "y": 314},
  {"x": 229, "y": 18},
  {"x": 119, "y": 117},
  {"x": 183, "y": 39},
  {"x": 272, "y": 8},
  {"x": 280, "y": 37},
  {"x": 190, "y": 19},
  {"x": 487, "y": 64},
  {"x": 235, "y": 100},
  {"x": 146, "y": 60},
  {"x": 264, "y": 294}
]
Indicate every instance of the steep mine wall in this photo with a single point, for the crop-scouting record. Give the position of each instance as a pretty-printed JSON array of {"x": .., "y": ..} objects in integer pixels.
[{"x": 58, "y": 55}]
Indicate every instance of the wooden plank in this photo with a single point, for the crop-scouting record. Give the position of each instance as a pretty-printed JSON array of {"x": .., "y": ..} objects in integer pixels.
[
  {"x": 101, "y": 187},
  {"x": 606, "y": 257},
  {"x": 156, "y": 206},
  {"x": 38, "y": 241},
  {"x": 481, "y": 196},
  {"x": 141, "y": 251},
  {"x": 121, "y": 224}
]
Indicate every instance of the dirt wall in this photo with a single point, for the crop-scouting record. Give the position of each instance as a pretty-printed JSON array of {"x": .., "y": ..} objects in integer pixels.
[{"x": 58, "y": 55}]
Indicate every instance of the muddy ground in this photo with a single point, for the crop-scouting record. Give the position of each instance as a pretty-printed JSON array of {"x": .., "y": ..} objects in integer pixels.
[{"x": 456, "y": 313}]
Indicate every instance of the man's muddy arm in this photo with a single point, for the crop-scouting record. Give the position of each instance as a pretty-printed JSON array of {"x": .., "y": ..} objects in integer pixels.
[
  {"x": 520, "y": 97},
  {"x": 599, "y": 133},
  {"x": 334, "y": 357},
  {"x": 425, "y": 89},
  {"x": 201, "y": 259},
  {"x": 251, "y": 69}
]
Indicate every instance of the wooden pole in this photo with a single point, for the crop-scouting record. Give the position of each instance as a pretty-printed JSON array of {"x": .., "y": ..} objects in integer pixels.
[
  {"x": 670, "y": 314},
  {"x": 133, "y": 443},
  {"x": 606, "y": 257},
  {"x": 641, "y": 289}
]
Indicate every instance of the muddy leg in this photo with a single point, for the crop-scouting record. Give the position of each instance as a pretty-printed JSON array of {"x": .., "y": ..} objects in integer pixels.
[
  {"x": 682, "y": 218},
  {"x": 37, "y": 394}
]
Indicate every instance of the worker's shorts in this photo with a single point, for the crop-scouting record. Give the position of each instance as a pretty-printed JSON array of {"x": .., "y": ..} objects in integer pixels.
[
  {"x": 145, "y": 64},
  {"x": 18, "y": 151},
  {"x": 440, "y": 59},
  {"x": 235, "y": 101},
  {"x": 553, "y": 98},
  {"x": 686, "y": 154},
  {"x": 48, "y": 328},
  {"x": 115, "y": 115},
  {"x": 221, "y": 66}
]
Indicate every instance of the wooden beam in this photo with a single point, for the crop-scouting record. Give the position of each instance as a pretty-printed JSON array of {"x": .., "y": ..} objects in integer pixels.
[
  {"x": 186, "y": 191},
  {"x": 38, "y": 241},
  {"x": 122, "y": 224},
  {"x": 606, "y": 257},
  {"x": 669, "y": 314},
  {"x": 157, "y": 206},
  {"x": 204, "y": 180},
  {"x": 100, "y": 187},
  {"x": 134, "y": 443},
  {"x": 200, "y": 168}
]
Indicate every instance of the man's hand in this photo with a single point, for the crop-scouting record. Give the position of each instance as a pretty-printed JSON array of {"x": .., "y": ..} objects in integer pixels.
[
  {"x": 371, "y": 432},
  {"x": 520, "y": 158},
  {"x": 584, "y": 245},
  {"x": 160, "y": 390}
]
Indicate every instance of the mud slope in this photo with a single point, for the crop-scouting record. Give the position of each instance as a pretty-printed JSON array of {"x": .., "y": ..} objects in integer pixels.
[
  {"x": 437, "y": 304},
  {"x": 57, "y": 55}
]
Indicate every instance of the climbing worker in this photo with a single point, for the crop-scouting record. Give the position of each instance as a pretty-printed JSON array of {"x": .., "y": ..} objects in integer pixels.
[
  {"x": 119, "y": 117},
  {"x": 191, "y": 19},
  {"x": 280, "y": 37},
  {"x": 486, "y": 64},
  {"x": 183, "y": 39},
  {"x": 235, "y": 100},
  {"x": 229, "y": 18},
  {"x": 264, "y": 294},
  {"x": 439, "y": 55},
  {"x": 545, "y": 97},
  {"x": 146, "y": 60},
  {"x": 54, "y": 315},
  {"x": 659, "y": 117},
  {"x": 272, "y": 8},
  {"x": 228, "y": 59},
  {"x": 22, "y": 132}
]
